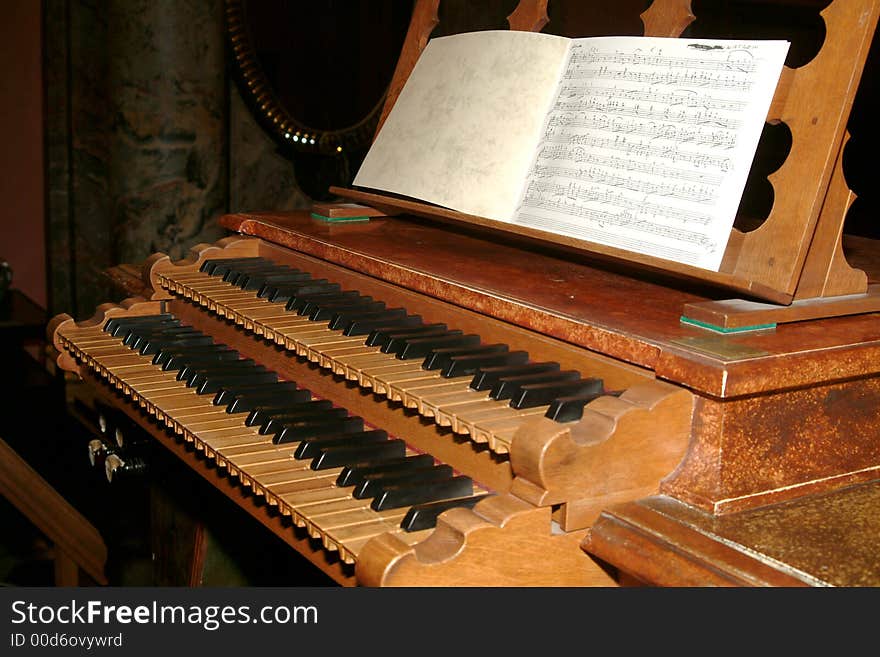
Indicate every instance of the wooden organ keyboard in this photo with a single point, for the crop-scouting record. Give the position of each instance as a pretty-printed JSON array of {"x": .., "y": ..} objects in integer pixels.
[{"x": 418, "y": 371}]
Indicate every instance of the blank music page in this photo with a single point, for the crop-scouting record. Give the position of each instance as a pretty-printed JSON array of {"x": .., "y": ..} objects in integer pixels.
[
  {"x": 649, "y": 142},
  {"x": 464, "y": 129}
]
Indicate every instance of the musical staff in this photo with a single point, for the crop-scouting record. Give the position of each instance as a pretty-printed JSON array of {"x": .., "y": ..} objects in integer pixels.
[{"x": 647, "y": 148}]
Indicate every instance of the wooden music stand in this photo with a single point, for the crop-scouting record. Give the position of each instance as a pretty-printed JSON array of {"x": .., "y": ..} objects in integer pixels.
[{"x": 794, "y": 262}]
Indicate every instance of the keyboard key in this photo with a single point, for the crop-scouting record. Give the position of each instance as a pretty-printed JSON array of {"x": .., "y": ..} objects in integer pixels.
[
  {"x": 376, "y": 484},
  {"x": 424, "y": 516},
  {"x": 311, "y": 448},
  {"x": 395, "y": 497},
  {"x": 422, "y": 347},
  {"x": 470, "y": 363},
  {"x": 301, "y": 431},
  {"x": 380, "y": 337},
  {"x": 509, "y": 386},
  {"x": 337, "y": 457},
  {"x": 539, "y": 394},
  {"x": 486, "y": 377},
  {"x": 570, "y": 408},
  {"x": 440, "y": 358},
  {"x": 354, "y": 474}
]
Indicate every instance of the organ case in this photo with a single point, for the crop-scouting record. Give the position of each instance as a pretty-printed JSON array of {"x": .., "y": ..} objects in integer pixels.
[{"x": 723, "y": 422}]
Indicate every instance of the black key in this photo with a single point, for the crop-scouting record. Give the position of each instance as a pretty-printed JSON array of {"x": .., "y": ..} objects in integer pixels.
[
  {"x": 209, "y": 265},
  {"x": 150, "y": 346},
  {"x": 170, "y": 328},
  {"x": 421, "y": 347},
  {"x": 256, "y": 282},
  {"x": 509, "y": 386},
  {"x": 259, "y": 407},
  {"x": 336, "y": 457},
  {"x": 289, "y": 292},
  {"x": 235, "y": 274},
  {"x": 326, "y": 310},
  {"x": 115, "y": 324},
  {"x": 470, "y": 363},
  {"x": 342, "y": 319},
  {"x": 216, "y": 367},
  {"x": 293, "y": 432},
  {"x": 196, "y": 377},
  {"x": 169, "y": 360},
  {"x": 440, "y": 358},
  {"x": 539, "y": 394},
  {"x": 213, "y": 384},
  {"x": 312, "y": 413},
  {"x": 137, "y": 336},
  {"x": 127, "y": 331},
  {"x": 227, "y": 395},
  {"x": 379, "y": 337},
  {"x": 571, "y": 408},
  {"x": 353, "y": 474},
  {"x": 271, "y": 285},
  {"x": 424, "y": 516},
  {"x": 299, "y": 300},
  {"x": 395, "y": 343},
  {"x": 220, "y": 268},
  {"x": 271, "y": 421},
  {"x": 375, "y": 485},
  {"x": 255, "y": 279},
  {"x": 395, "y": 497},
  {"x": 486, "y": 377},
  {"x": 309, "y": 449},
  {"x": 362, "y": 326},
  {"x": 174, "y": 351}
]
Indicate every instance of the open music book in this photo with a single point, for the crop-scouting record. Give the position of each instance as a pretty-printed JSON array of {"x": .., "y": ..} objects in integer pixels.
[{"x": 638, "y": 143}]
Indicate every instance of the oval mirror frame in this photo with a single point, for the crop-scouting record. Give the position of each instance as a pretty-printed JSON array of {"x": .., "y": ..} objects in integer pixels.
[{"x": 288, "y": 131}]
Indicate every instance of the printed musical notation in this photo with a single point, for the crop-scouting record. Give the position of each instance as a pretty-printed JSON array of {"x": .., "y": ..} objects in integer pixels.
[
  {"x": 638, "y": 143},
  {"x": 647, "y": 144}
]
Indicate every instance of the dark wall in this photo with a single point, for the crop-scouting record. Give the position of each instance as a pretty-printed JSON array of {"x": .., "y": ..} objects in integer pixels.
[
  {"x": 21, "y": 158},
  {"x": 147, "y": 140}
]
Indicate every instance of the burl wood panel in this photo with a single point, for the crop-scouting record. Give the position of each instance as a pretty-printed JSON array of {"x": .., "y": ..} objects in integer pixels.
[{"x": 760, "y": 450}]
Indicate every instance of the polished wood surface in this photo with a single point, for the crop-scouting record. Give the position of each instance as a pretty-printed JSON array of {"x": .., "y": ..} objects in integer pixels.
[{"x": 820, "y": 540}]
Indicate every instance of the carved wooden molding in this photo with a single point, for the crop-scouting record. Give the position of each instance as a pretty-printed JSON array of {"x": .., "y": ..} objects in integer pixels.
[
  {"x": 228, "y": 247},
  {"x": 622, "y": 444},
  {"x": 464, "y": 549},
  {"x": 667, "y": 18},
  {"x": 64, "y": 323}
]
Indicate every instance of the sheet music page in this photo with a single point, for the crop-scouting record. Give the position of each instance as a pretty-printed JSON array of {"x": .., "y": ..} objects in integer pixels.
[
  {"x": 463, "y": 131},
  {"x": 649, "y": 143}
]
